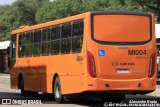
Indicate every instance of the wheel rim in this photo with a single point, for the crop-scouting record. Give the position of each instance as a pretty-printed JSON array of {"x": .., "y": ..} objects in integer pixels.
[{"x": 57, "y": 92}]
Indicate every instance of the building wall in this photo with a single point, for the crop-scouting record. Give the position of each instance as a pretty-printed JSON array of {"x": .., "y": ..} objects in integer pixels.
[{"x": 4, "y": 61}]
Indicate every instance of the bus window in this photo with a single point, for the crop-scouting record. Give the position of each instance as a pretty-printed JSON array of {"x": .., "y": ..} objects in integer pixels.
[
  {"x": 45, "y": 41},
  {"x": 13, "y": 46},
  {"x": 55, "y": 40},
  {"x": 37, "y": 42},
  {"x": 13, "y": 50},
  {"x": 55, "y": 33},
  {"x": 21, "y": 46},
  {"x": 65, "y": 46},
  {"x": 28, "y": 44},
  {"x": 65, "y": 39},
  {"x": 77, "y": 37},
  {"x": 66, "y": 30},
  {"x": 110, "y": 28}
]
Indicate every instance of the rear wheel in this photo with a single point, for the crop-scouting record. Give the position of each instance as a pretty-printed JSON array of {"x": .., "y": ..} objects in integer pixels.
[
  {"x": 57, "y": 91},
  {"x": 23, "y": 92}
]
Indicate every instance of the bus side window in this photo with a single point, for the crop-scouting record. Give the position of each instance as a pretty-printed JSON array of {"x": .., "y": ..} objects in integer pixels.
[
  {"x": 77, "y": 38},
  {"x": 28, "y": 44},
  {"x": 13, "y": 47},
  {"x": 21, "y": 46},
  {"x": 37, "y": 43},
  {"x": 45, "y": 41},
  {"x": 12, "y": 58},
  {"x": 65, "y": 39},
  {"x": 55, "y": 40}
]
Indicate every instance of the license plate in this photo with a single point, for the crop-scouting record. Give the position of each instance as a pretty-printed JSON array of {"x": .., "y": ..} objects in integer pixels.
[{"x": 122, "y": 71}]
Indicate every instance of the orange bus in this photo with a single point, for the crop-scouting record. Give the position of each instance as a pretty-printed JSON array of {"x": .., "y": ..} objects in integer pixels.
[{"x": 109, "y": 53}]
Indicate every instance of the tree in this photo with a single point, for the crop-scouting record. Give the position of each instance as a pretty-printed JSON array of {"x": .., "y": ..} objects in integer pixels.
[
  {"x": 26, "y": 10},
  {"x": 30, "y": 12},
  {"x": 22, "y": 12},
  {"x": 64, "y": 8},
  {"x": 58, "y": 9}
]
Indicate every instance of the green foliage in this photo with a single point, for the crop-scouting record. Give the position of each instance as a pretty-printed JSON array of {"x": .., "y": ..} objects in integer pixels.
[
  {"x": 22, "y": 12},
  {"x": 58, "y": 9},
  {"x": 64, "y": 8},
  {"x": 30, "y": 12},
  {"x": 26, "y": 10}
]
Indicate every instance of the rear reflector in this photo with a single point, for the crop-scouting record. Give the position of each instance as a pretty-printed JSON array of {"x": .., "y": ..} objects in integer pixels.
[
  {"x": 91, "y": 65},
  {"x": 152, "y": 65}
]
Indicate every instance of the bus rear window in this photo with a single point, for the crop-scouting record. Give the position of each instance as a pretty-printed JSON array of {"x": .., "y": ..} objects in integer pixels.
[{"x": 121, "y": 28}]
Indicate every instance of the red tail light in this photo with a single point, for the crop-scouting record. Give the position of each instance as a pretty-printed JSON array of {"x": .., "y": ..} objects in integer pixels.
[
  {"x": 91, "y": 65},
  {"x": 152, "y": 65}
]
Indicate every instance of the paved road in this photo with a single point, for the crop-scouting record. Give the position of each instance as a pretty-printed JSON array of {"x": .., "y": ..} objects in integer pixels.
[{"x": 6, "y": 92}]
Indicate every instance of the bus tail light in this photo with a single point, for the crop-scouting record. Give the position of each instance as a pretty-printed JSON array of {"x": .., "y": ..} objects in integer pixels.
[
  {"x": 152, "y": 65},
  {"x": 91, "y": 65}
]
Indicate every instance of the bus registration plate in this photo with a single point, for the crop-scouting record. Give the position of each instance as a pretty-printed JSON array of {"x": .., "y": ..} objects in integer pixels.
[{"x": 122, "y": 71}]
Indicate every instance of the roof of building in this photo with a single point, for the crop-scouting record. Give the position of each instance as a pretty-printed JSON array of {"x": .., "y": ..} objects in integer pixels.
[{"x": 4, "y": 45}]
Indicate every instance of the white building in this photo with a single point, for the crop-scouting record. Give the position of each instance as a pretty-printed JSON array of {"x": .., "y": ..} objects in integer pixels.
[
  {"x": 157, "y": 31},
  {"x": 4, "y": 56},
  {"x": 4, "y": 45},
  {"x": 157, "y": 28}
]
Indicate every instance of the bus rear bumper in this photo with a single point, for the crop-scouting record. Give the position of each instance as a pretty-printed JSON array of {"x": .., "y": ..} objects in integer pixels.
[{"x": 132, "y": 85}]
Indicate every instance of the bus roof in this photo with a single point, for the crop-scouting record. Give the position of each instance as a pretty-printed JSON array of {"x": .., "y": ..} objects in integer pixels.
[{"x": 157, "y": 28}]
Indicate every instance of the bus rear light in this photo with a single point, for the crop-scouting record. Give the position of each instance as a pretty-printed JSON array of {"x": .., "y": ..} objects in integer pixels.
[
  {"x": 90, "y": 84},
  {"x": 152, "y": 66},
  {"x": 93, "y": 85},
  {"x": 91, "y": 65}
]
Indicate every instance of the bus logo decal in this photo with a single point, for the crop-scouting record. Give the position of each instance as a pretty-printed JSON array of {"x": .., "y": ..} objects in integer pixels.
[{"x": 101, "y": 52}]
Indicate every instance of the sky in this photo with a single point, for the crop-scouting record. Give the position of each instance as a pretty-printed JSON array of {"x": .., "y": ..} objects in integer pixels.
[{"x": 6, "y": 2}]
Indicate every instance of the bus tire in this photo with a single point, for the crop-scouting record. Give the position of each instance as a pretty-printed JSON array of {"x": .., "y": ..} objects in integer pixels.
[
  {"x": 23, "y": 92},
  {"x": 57, "y": 91}
]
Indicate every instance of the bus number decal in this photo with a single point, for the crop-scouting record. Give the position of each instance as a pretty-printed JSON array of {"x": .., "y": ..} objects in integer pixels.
[{"x": 137, "y": 52}]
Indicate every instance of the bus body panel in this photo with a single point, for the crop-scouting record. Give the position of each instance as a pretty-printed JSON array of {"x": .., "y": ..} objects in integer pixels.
[
  {"x": 118, "y": 58},
  {"x": 38, "y": 71},
  {"x": 39, "y": 76},
  {"x": 133, "y": 58},
  {"x": 130, "y": 85}
]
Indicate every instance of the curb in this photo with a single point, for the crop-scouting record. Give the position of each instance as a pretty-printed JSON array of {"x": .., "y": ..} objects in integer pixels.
[
  {"x": 4, "y": 76},
  {"x": 156, "y": 92}
]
